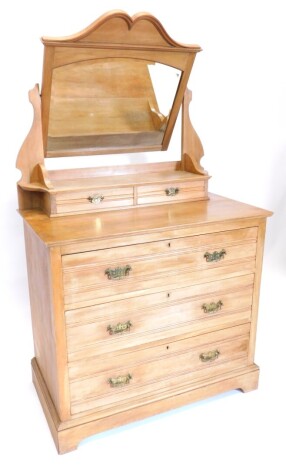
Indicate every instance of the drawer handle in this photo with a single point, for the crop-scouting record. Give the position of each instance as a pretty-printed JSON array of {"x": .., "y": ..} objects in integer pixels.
[
  {"x": 171, "y": 191},
  {"x": 120, "y": 381},
  {"x": 119, "y": 328},
  {"x": 212, "y": 307},
  {"x": 209, "y": 356},
  {"x": 96, "y": 199},
  {"x": 118, "y": 273},
  {"x": 215, "y": 256}
]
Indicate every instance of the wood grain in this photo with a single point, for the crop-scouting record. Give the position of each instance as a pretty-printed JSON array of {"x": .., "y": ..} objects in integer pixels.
[
  {"x": 139, "y": 306},
  {"x": 160, "y": 235},
  {"x": 156, "y": 270},
  {"x": 211, "y": 241},
  {"x": 90, "y": 295},
  {"x": 71, "y": 109},
  {"x": 153, "y": 194},
  {"x": 81, "y": 175},
  {"x": 118, "y": 27},
  {"x": 48, "y": 319},
  {"x": 156, "y": 375},
  {"x": 189, "y": 325},
  {"x": 256, "y": 290},
  {"x": 167, "y": 320},
  {"x": 192, "y": 149},
  {"x": 32, "y": 150},
  {"x": 139, "y": 221},
  {"x": 68, "y": 435}
]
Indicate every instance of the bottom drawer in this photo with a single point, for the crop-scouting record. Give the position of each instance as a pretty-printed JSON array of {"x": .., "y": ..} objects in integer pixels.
[{"x": 125, "y": 376}]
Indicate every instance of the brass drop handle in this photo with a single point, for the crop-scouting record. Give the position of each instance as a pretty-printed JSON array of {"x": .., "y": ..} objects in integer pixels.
[
  {"x": 171, "y": 191},
  {"x": 118, "y": 273},
  {"x": 119, "y": 381},
  {"x": 119, "y": 328},
  {"x": 209, "y": 356},
  {"x": 212, "y": 307},
  {"x": 215, "y": 256},
  {"x": 96, "y": 199}
]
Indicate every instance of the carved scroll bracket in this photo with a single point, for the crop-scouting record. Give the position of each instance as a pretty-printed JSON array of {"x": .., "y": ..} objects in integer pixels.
[
  {"x": 30, "y": 160},
  {"x": 192, "y": 149}
]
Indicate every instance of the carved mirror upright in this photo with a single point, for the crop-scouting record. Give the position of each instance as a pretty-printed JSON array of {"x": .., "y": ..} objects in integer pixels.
[{"x": 116, "y": 87}]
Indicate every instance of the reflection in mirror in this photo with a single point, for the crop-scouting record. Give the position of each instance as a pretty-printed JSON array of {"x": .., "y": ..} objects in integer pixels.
[{"x": 110, "y": 105}]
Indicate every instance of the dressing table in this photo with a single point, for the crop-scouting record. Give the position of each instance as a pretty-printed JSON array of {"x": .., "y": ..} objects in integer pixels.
[{"x": 144, "y": 287}]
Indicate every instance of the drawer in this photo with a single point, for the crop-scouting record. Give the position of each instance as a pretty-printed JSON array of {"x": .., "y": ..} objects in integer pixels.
[
  {"x": 174, "y": 192},
  {"x": 123, "y": 270},
  {"x": 210, "y": 241},
  {"x": 120, "y": 324},
  {"x": 124, "y": 376},
  {"x": 93, "y": 199}
]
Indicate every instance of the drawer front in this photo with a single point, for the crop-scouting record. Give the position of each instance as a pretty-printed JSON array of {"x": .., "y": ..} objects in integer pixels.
[
  {"x": 120, "y": 271},
  {"x": 115, "y": 325},
  {"x": 94, "y": 200},
  {"x": 121, "y": 377},
  {"x": 174, "y": 192},
  {"x": 209, "y": 241}
]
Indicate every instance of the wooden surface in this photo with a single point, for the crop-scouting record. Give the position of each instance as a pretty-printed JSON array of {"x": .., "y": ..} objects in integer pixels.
[
  {"x": 256, "y": 289},
  {"x": 139, "y": 221},
  {"x": 162, "y": 298},
  {"x": 75, "y": 196},
  {"x": 117, "y": 27},
  {"x": 68, "y": 435},
  {"x": 98, "y": 96},
  {"x": 95, "y": 294},
  {"x": 97, "y": 93},
  {"x": 32, "y": 150},
  {"x": 134, "y": 169},
  {"x": 179, "y": 327},
  {"x": 48, "y": 318},
  {"x": 168, "y": 313},
  {"x": 159, "y": 369},
  {"x": 165, "y": 178},
  {"x": 182, "y": 260},
  {"x": 192, "y": 149}
]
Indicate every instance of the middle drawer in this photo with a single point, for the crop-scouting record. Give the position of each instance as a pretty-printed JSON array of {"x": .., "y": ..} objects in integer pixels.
[{"x": 130, "y": 322}]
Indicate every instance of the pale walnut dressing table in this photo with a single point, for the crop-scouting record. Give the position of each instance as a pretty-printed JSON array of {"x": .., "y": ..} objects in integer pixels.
[{"x": 143, "y": 287}]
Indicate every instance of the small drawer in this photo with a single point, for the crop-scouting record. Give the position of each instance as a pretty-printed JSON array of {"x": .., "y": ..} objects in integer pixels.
[
  {"x": 122, "y": 377},
  {"x": 172, "y": 192},
  {"x": 93, "y": 199},
  {"x": 131, "y": 322}
]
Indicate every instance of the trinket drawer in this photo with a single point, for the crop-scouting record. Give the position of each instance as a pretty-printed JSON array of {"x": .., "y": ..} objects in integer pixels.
[{"x": 138, "y": 314}]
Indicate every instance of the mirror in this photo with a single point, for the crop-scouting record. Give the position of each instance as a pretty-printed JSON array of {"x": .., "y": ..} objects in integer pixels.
[{"x": 107, "y": 105}]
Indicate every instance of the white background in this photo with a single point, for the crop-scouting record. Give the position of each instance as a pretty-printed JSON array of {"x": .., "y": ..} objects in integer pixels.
[{"x": 239, "y": 111}]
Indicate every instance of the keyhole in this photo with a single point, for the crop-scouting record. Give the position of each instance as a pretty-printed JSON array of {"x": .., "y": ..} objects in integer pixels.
[
  {"x": 169, "y": 244},
  {"x": 168, "y": 294},
  {"x": 167, "y": 347}
]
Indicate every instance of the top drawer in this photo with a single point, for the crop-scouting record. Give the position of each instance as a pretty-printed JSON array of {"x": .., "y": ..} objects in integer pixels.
[
  {"x": 122, "y": 270},
  {"x": 210, "y": 241}
]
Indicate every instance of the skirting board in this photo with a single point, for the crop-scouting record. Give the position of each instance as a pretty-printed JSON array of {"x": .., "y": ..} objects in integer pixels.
[{"x": 68, "y": 434}]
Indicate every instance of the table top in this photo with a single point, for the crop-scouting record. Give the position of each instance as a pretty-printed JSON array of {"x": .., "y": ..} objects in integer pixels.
[{"x": 70, "y": 229}]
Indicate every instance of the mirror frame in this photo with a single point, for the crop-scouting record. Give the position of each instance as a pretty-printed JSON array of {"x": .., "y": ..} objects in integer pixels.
[{"x": 116, "y": 35}]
